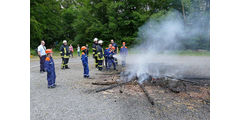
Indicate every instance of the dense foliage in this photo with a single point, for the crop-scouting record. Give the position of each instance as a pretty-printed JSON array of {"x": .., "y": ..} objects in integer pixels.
[{"x": 79, "y": 21}]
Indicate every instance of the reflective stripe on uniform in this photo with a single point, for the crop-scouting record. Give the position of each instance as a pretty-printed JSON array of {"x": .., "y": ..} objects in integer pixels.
[
  {"x": 65, "y": 51},
  {"x": 65, "y": 56}
]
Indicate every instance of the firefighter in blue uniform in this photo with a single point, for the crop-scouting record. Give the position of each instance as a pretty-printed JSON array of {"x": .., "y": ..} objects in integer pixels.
[
  {"x": 94, "y": 48},
  {"x": 64, "y": 51},
  {"x": 111, "y": 59},
  {"x": 123, "y": 54},
  {"x": 100, "y": 55},
  {"x": 50, "y": 68},
  {"x": 84, "y": 59}
]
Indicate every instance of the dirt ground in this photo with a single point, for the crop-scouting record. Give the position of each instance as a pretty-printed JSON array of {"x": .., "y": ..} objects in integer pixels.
[{"x": 75, "y": 98}]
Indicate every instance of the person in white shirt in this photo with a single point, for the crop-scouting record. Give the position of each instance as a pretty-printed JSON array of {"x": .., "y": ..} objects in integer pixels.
[{"x": 42, "y": 55}]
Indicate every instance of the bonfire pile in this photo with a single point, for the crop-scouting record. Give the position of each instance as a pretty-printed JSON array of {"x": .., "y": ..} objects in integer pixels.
[{"x": 171, "y": 83}]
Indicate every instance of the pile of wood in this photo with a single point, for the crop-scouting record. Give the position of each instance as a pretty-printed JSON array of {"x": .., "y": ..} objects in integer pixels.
[{"x": 175, "y": 85}]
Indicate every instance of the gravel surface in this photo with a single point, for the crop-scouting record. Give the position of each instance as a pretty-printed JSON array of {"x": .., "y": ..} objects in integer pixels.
[{"x": 74, "y": 98}]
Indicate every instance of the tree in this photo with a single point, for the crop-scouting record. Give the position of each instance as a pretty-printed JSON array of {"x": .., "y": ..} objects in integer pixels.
[{"x": 79, "y": 21}]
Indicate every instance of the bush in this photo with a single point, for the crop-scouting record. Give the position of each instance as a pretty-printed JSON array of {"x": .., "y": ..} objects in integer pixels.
[{"x": 33, "y": 52}]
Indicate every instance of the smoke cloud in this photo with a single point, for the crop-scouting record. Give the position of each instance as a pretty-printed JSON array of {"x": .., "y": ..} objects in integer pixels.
[{"x": 164, "y": 34}]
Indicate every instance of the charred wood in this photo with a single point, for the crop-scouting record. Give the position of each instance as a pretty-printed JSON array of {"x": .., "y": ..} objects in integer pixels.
[
  {"x": 104, "y": 83},
  {"x": 113, "y": 86},
  {"x": 146, "y": 93}
]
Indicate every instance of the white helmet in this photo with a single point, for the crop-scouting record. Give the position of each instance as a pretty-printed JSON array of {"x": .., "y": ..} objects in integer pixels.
[
  {"x": 100, "y": 42},
  {"x": 64, "y": 41},
  {"x": 95, "y": 39}
]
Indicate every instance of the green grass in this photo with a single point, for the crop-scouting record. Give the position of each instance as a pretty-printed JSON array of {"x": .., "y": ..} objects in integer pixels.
[{"x": 33, "y": 52}]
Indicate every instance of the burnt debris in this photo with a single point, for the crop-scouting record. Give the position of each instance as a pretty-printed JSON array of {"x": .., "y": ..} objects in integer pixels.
[
  {"x": 174, "y": 84},
  {"x": 146, "y": 93}
]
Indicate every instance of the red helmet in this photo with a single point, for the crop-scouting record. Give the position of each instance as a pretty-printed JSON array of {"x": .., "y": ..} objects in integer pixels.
[
  {"x": 83, "y": 48},
  {"x": 49, "y": 51}
]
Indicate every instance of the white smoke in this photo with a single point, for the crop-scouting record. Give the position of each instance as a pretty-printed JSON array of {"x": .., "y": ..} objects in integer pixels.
[{"x": 161, "y": 35}]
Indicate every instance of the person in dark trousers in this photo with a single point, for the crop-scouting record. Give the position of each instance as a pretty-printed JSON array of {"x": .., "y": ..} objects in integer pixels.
[
  {"x": 94, "y": 48},
  {"x": 64, "y": 51},
  {"x": 42, "y": 55},
  {"x": 50, "y": 68},
  {"x": 111, "y": 59},
  {"x": 123, "y": 54},
  {"x": 115, "y": 51},
  {"x": 84, "y": 59},
  {"x": 100, "y": 55},
  {"x": 106, "y": 53}
]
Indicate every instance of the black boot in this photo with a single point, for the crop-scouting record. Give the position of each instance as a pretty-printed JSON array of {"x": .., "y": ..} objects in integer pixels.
[{"x": 66, "y": 67}]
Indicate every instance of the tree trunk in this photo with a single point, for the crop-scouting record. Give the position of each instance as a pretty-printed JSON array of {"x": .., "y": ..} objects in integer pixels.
[{"x": 183, "y": 11}]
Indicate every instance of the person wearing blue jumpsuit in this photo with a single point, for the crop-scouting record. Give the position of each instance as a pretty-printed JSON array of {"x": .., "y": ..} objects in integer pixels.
[
  {"x": 106, "y": 51},
  {"x": 123, "y": 54},
  {"x": 111, "y": 59},
  {"x": 106, "y": 54},
  {"x": 84, "y": 59},
  {"x": 50, "y": 68}
]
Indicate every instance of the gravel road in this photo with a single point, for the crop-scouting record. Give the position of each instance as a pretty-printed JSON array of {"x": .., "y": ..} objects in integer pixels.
[{"x": 74, "y": 98}]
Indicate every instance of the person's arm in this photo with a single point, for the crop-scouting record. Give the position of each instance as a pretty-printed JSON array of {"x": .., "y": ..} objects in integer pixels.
[
  {"x": 94, "y": 49},
  {"x": 39, "y": 53},
  {"x": 61, "y": 51},
  {"x": 46, "y": 65},
  {"x": 83, "y": 58}
]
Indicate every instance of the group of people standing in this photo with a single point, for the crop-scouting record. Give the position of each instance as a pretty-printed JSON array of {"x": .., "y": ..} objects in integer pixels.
[{"x": 99, "y": 55}]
